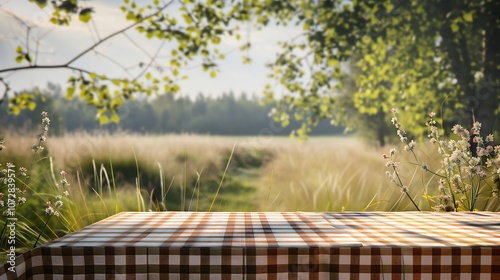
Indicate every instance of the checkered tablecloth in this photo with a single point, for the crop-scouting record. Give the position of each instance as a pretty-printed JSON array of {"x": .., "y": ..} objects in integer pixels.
[{"x": 272, "y": 245}]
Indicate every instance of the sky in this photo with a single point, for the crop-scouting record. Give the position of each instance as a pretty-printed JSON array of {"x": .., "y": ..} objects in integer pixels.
[{"x": 58, "y": 44}]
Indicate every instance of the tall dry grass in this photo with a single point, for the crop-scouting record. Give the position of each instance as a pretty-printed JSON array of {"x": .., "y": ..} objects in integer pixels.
[
  {"x": 169, "y": 150},
  {"x": 330, "y": 174},
  {"x": 322, "y": 174},
  {"x": 212, "y": 173}
]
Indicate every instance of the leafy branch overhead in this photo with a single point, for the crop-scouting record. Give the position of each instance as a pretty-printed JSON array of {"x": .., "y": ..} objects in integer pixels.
[
  {"x": 63, "y": 10},
  {"x": 359, "y": 58},
  {"x": 193, "y": 31},
  {"x": 353, "y": 61}
]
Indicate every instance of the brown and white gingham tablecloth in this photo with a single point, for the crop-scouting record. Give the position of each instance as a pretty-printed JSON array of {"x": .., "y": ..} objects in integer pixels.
[{"x": 272, "y": 245}]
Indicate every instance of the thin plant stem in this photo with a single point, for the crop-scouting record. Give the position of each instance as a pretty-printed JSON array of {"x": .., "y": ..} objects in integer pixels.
[
  {"x": 184, "y": 187},
  {"x": 222, "y": 179},
  {"x": 41, "y": 231},
  {"x": 269, "y": 189},
  {"x": 406, "y": 192},
  {"x": 117, "y": 206}
]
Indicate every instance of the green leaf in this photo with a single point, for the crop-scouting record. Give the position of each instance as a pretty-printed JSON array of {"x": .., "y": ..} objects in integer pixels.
[
  {"x": 216, "y": 40},
  {"x": 19, "y": 58},
  {"x": 130, "y": 16},
  {"x": 19, "y": 49},
  {"x": 468, "y": 16},
  {"x": 68, "y": 6},
  {"x": 306, "y": 26},
  {"x": 175, "y": 88},
  {"x": 82, "y": 92},
  {"x": 85, "y": 14},
  {"x": 148, "y": 76},
  {"x": 115, "y": 118},
  {"x": 369, "y": 59},
  {"x": 454, "y": 27},
  {"x": 332, "y": 62},
  {"x": 246, "y": 60},
  {"x": 187, "y": 18},
  {"x": 117, "y": 102},
  {"x": 103, "y": 119},
  {"x": 213, "y": 73},
  {"x": 14, "y": 110},
  {"x": 40, "y": 3},
  {"x": 70, "y": 91},
  {"x": 31, "y": 106},
  {"x": 116, "y": 82}
]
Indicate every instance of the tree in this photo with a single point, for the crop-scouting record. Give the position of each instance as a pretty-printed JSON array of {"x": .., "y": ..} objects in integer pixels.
[
  {"x": 31, "y": 120},
  {"x": 415, "y": 55},
  {"x": 193, "y": 32},
  {"x": 419, "y": 56}
]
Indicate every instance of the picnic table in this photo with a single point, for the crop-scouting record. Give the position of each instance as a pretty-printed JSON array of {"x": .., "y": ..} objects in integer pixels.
[{"x": 272, "y": 245}]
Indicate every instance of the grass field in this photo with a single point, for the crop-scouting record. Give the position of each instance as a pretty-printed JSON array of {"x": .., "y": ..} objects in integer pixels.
[
  {"x": 109, "y": 173},
  {"x": 273, "y": 173}
]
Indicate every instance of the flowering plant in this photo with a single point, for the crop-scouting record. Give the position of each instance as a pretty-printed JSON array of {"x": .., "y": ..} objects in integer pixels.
[
  {"x": 15, "y": 189},
  {"x": 470, "y": 166}
]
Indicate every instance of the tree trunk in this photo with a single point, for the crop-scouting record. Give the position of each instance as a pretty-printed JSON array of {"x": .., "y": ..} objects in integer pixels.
[
  {"x": 380, "y": 127},
  {"x": 487, "y": 90},
  {"x": 480, "y": 99}
]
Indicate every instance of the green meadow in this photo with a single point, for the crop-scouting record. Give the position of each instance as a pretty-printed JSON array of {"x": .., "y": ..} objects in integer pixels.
[{"x": 107, "y": 173}]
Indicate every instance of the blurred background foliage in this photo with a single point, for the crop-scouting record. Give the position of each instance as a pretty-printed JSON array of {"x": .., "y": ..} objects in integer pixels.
[{"x": 224, "y": 115}]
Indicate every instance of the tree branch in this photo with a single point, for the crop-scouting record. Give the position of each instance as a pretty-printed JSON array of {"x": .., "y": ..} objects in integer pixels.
[
  {"x": 6, "y": 91},
  {"x": 116, "y": 33},
  {"x": 137, "y": 45},
  {"x": 151, "y": 60},
  {"x": 113, "y": 61},
  {"x": 33, "y": 67},
  {"x": 67, "y": 64}
]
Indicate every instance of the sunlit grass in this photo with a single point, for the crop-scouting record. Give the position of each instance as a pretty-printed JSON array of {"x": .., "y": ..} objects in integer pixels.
[
  {"x": 110, "y": 173},
  {"x": 322, "y": 174},
  {"x": 327, "y": 174}
]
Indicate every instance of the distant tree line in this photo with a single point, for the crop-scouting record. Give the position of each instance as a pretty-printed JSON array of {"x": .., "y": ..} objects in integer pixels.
[{"x": 222, "y": 115}]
